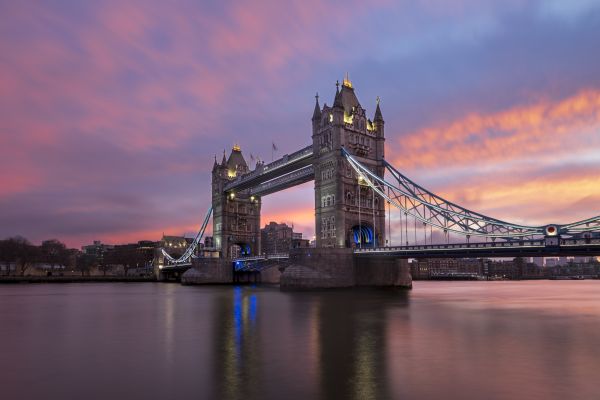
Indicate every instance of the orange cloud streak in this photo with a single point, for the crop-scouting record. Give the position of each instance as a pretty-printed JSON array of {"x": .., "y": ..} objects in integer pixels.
[
  {"x": 541, "y": 129},
  {"x": 524, "y": 199}
]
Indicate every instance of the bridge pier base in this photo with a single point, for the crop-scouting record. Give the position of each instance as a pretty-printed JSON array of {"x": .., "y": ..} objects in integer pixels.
[
  {"x": 380, "y": 271},
  {"x": 208, "y": 270},
  {"x": 324, "y": 268}
]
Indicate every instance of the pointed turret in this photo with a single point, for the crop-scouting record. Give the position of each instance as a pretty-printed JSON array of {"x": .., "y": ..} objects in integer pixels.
[
  {"x": 378, "y": 116},
  {"x": 317, "y": 113},
  {"x": 337, "y": 102},
  {"x": 215, "y": 163},
  {"x": 224, "y": 160}
]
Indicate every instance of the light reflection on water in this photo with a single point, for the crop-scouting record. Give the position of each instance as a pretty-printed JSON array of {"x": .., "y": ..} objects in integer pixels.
[{"x": 451, "y": 340}]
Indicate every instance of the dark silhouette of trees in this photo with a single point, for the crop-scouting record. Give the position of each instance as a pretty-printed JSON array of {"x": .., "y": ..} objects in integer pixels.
[
  {"x": 85, "y": 262},
  {"x": 25, "y": 254},
  {"x": 19, "y": 252},
  {"x": 54, "y": 253},
  {"x": 8, "y": 253}
]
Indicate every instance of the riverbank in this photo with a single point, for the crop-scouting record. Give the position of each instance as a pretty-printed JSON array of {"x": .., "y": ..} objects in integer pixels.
[{"x": 74, "y": 279}]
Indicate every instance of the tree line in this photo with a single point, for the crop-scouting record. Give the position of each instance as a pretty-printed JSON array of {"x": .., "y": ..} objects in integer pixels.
[{"x": 20, "y": 254}]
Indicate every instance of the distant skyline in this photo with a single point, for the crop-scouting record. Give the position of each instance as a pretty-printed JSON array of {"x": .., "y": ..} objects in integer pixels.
[{"x": 112, "y": 111}]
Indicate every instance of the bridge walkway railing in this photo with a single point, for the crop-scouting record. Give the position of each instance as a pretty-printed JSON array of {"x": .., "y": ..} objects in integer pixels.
[{"x": 541, "y": 243}]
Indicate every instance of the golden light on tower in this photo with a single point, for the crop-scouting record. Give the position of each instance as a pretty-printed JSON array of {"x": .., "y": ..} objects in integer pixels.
[
  {"x": 348, "y": 118},
  {"x": 346, "y": 82}
]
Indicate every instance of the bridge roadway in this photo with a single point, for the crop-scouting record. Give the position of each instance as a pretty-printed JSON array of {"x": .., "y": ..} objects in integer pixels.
[
  {"x": 258, "y": 263},
  {"x": 180, "y": 267},
  {"x": 523, "y": 248}
]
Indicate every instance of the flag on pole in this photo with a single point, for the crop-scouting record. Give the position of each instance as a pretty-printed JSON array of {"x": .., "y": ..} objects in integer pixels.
[{"x": 274, "y": 147}]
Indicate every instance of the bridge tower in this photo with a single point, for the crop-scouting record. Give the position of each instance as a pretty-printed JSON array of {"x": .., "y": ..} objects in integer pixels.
[
  {"x": 236, "y": 216},
  {"x": 347, "y": 211}
]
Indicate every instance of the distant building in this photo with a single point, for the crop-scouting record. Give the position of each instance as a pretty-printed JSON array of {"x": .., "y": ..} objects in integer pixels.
[
  {"x": 539, "y": 261},
  {"x": 280, "y": 238},
  {"x": 97, "y": 251},
  {"x": 175, "y": 245},
  {"x": 132, "y": 258},
  {"x": 551, "y": 262},
  {"x": 430, "y": 268}
]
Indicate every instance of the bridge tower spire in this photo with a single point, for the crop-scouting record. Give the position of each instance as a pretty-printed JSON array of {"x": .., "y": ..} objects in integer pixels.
[
  {"x": 317, "y": 112},
  {"x": 347, "y": 213}
]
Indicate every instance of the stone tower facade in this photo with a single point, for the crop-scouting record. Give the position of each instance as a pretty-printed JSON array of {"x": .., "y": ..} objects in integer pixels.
[
  {"x": 347, "y": 211},
  {"x": 236, "y": 216}
]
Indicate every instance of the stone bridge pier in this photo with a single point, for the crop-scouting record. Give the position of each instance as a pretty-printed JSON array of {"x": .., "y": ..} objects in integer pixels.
[{"x": 321, "y": 268}]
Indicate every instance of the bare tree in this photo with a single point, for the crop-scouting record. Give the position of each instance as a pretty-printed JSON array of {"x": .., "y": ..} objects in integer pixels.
[
  {"x": 54, "y": 253},
  {"x": 7, "y": 253},
  {"x": 26, "y": 254},
  {"x": 85, "y": 262}
]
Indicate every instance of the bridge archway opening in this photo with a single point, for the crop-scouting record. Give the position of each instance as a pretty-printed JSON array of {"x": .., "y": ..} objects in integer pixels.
[{"x": 362, "y": 235}]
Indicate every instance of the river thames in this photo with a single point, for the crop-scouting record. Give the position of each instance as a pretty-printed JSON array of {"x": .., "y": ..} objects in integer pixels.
[{"x": 442, "y": 340}]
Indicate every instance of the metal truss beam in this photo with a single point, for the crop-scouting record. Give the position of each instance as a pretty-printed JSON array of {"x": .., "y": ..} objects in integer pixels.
[{"x": 434, "y": 210}]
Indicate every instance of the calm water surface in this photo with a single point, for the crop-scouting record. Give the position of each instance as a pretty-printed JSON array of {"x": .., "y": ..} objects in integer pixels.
[{"x": 443, "y": 340}]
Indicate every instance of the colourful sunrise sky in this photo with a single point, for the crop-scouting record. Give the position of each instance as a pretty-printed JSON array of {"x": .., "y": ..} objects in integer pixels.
[{"x": 112, "y": 111}]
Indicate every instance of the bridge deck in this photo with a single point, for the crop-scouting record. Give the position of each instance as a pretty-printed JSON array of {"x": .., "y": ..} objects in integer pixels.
[{"x": 530, "y": 248}]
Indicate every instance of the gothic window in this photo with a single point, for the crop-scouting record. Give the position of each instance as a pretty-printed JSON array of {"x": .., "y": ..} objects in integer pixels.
[{"x": 328, "y": 227}]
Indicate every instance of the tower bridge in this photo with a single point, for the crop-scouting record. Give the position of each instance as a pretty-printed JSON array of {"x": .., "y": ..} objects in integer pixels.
[{"x": 354, "y": 187}]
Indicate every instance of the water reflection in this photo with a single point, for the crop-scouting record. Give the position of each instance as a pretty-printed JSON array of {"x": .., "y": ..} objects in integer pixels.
[
  {"x": 352, "y": 337},
  {"x": 334, "y": 343},
  {"x": 237, "y": 366},
  {"x": 446, "y": 340}
]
